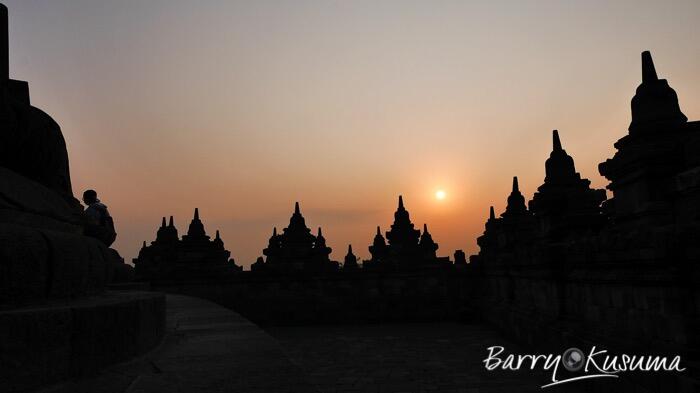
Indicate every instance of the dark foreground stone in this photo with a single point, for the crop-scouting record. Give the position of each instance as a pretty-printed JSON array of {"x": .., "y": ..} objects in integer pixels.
[
  {"x": 207, "y": 349},
  {"x": 44, "y": 344},
  {"x": 441, "y": 357}
]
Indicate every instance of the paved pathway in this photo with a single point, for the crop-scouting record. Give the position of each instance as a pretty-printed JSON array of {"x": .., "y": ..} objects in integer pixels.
[
  {"x": 212, "y": 349},
  {"x": 430, "y": 358},
  {"x": 207, "y": 349}
]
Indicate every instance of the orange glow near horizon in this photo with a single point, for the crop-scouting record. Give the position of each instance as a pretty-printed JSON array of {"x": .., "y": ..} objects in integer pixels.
[{"x": 243, "y": 108}]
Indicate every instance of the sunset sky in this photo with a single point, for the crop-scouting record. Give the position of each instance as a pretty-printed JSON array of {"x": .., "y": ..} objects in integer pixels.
[{"x": 242, "y": 108}]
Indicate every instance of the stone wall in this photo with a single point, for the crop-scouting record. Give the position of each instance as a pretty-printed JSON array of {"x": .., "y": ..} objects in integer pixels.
[
  {"x": 339, "y": 297},
  {"x": 43, "y": 253},
  {"x": 44, "y": 344},
  {"x": 652, "y": 308},
  {"x": 546, "y": 305}
]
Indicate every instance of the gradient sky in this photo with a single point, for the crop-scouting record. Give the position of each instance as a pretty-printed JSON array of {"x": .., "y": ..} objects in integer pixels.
[{"x": 242, "y": 108}]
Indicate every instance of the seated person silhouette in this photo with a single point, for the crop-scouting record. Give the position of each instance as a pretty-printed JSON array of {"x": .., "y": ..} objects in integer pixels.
[{"x": 99, "y": 223}]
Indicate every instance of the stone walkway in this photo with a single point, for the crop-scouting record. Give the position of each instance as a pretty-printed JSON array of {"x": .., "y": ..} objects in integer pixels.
[
  {"x": 212, "y": 349},
  {"x": 430, "y": 358},
  {"x": 207, "y": 349}
]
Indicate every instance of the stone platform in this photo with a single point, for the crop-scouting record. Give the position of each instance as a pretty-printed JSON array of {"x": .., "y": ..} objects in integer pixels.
[
  {"x": 207, "y": 349},
  {"x": 439, "y": 357},
  {"x": 65, "y": 339}
]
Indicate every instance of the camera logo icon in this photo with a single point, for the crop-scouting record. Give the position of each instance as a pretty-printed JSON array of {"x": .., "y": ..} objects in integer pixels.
[{"x": 573, "y": 359}]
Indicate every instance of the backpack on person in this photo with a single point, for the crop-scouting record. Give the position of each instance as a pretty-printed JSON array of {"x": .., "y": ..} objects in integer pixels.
[{"x": 106, "y": 221}]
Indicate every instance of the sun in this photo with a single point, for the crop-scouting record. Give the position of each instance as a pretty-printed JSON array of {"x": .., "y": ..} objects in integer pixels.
[{"x": 440, "y": 195}]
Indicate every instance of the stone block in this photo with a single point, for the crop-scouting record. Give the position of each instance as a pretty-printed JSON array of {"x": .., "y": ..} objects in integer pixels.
[
  {"x": 41, "y": 345},
  {"x": 35, "y": 347},
  {"x": 24, "y": 264},
  {"x": 27, "y": 203}
]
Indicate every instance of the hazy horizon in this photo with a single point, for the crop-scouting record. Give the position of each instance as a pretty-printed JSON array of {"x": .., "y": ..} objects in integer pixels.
[{"x": 243, "y": 108}]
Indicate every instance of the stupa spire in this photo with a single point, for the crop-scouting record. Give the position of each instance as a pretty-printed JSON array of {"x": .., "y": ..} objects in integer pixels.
[
  {"x": 516, "y": 201},
  {"x": 492, "y": 213},
  {"x": 273, "y": 245},
  {"x": 4, "y": 46},
  {"x": 648, "y": 69},
  {"x": 556, "y": 142},
  {"x": 655, "y": 106},
  {"x": 297, "y": 248},
  {"x": 297, "y": 222},
  {"x": 427, "y": 244},
  {"x": 402, "y": 230},
  {"x": 217, "y": 239},
  {"x": 196, "y": 229},
  {"x": 320, "y": 248},
  {"x": 165, "y": 233},
  {"x": 559, "y": 167},
  {"x": 172, "y": 222},
  {"x": 350, "y": 261},
  {"x": 378, "y": 249}
]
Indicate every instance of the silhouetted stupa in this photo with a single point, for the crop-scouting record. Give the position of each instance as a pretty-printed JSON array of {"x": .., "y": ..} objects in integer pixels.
[
  {"x": 652, "y": 174},
  {"x": 350, "y": 261},
  {"x": 43, "y": 226},
  {"x": 655, "y": 104},
  {"x": 321, "y": 251},
  {"x": 167, "y": 234},
  {"x": 488, "y": 241},
  {"x": 505, "y": 235},
  {"x": 460, "y": 259},
  {"x": 196, "y": 232},
  {"x": 601, "y": 272},
  {"x": 31, "y": 142},
  {"x": 406, "y": 248},
  {"x": 403, "y": 237},
  {"x": 516, "y": 202},
  {"x": 258, "y": 265},
  {"x": 296, "y": 249},
  {"x": 427, "y": 246},
  {"x": 54, "y": 299},
  {"x": 379, "y": 249},
  {"x": 565, "y": 204},
  {"x": 193, "y": 257}
]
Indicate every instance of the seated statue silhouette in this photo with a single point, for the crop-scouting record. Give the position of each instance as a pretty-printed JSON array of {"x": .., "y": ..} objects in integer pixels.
[{"x": 100, "y": 224}]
